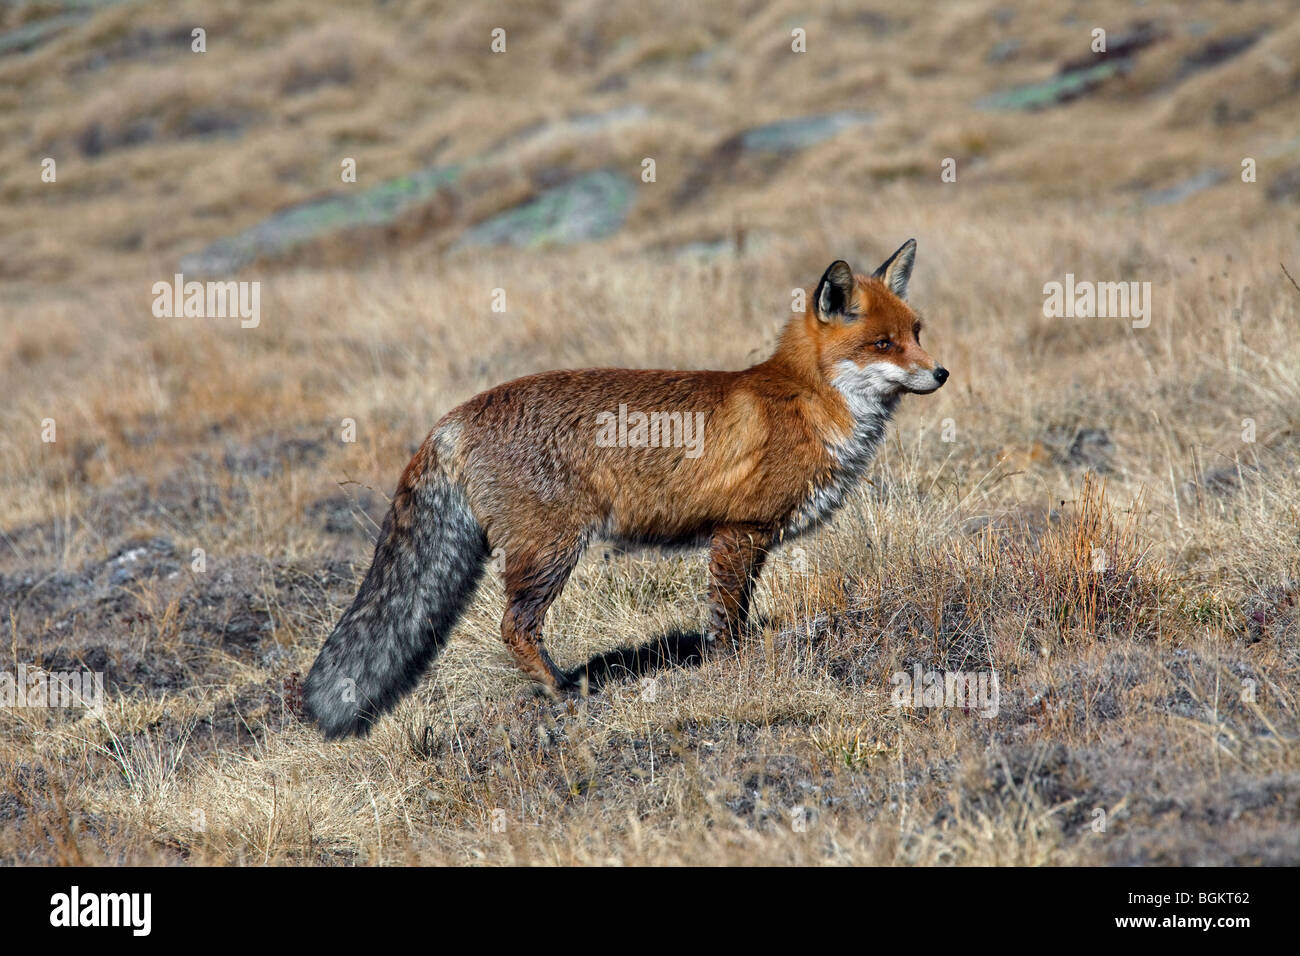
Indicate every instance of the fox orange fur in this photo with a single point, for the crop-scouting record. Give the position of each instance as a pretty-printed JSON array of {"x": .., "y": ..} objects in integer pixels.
[{"x": 540, "y": 466}]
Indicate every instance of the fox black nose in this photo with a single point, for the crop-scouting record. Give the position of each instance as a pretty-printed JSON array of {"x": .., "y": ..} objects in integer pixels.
[{"x": 940, "y": 374}]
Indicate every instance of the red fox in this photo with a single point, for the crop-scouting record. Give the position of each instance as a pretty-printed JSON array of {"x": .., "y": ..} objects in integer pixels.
[{"x": 540, "y": 466}]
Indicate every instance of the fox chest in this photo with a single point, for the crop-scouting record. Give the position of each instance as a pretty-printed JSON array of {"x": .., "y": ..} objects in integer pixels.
[{"x": 850, "y": 460}]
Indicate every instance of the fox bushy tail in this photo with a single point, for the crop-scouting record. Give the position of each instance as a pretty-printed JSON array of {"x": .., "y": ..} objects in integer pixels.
[{"x": 428, "y": 560}]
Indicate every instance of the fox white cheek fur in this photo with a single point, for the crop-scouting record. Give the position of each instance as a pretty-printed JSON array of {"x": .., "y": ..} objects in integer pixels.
[
  {"x": 881, "y": 380},
  {"x": 877, "y": 381}
]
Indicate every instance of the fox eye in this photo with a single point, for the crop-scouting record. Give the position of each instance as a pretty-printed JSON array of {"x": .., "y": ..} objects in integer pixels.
[{"x": 881, "y": 344}]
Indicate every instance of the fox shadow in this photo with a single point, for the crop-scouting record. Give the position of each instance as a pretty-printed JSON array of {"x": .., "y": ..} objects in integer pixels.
[{"x": 675, "y": 648}]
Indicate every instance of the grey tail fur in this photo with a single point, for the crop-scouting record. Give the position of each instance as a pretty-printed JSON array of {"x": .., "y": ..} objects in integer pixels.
[{"x": 428, "y": 561}]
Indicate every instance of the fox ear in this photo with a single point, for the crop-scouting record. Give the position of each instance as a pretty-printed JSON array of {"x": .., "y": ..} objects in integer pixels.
[
  {"x": 897, "y": 269},
  {"x": 834, "y": 291}
]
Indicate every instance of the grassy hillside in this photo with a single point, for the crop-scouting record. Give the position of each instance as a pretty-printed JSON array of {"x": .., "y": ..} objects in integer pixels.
[{"x": 1148, "y": 709}]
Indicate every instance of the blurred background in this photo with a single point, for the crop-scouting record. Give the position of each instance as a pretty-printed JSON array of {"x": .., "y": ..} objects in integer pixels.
[{"x": 219, "y": 159}]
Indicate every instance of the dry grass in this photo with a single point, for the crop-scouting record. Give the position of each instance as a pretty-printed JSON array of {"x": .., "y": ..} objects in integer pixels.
[{"x": 1097, "y": 529}]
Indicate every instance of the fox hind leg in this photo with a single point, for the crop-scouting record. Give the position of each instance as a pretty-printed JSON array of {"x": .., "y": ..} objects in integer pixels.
[
  {"x": 534, "y": 578},
  {"x": 736, "y": 557}
]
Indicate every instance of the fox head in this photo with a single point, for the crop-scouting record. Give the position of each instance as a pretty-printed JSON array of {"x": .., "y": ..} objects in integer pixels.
[{"x": 868, "y": 338}]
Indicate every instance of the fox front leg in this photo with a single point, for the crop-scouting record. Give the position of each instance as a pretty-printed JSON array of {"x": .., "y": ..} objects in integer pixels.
[{"x": 736, "y": 557}]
